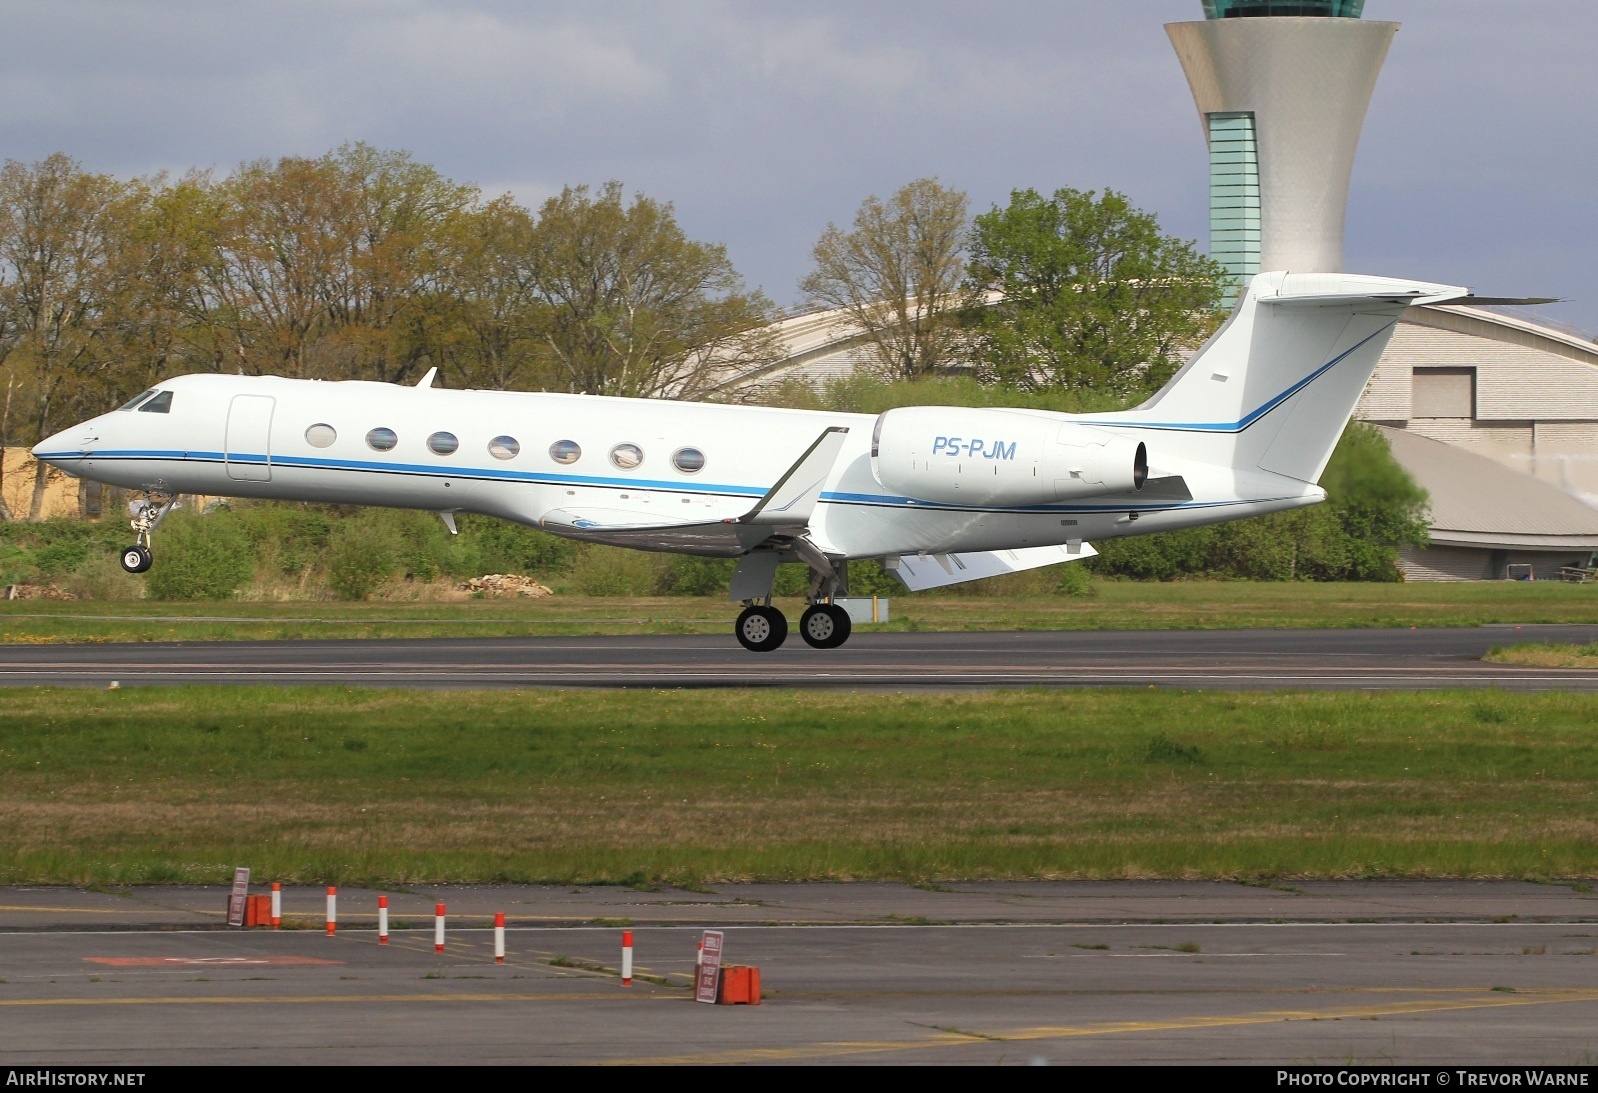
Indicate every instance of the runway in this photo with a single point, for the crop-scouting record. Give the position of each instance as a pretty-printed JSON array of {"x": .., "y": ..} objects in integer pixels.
[
  {"x": 1364, "y": 659},
  {"x": 1111, "y": 972}
]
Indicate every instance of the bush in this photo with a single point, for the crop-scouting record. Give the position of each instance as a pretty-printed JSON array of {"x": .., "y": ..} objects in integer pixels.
[
  {"x": 616, "y": 571},
  {"x": 200, "y": 557},
  {"x": 360, "y": 557}
]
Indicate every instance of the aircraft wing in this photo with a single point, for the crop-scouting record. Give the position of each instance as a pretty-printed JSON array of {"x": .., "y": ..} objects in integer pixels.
[
  {"x": 919, "y": 572},
  {"x": 618, "y": 527},
  {"x": 787, "y": 505}
]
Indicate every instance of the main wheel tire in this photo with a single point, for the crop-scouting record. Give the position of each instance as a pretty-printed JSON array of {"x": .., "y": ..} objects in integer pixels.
[
  {"x": 825, "y": 625},
  {"x": 761, "y": 629},
  {"x": 136, "y": 559}
]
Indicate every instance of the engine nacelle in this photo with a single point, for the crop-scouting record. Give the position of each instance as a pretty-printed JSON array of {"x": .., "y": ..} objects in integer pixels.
[{"x": 957, "y": 455}]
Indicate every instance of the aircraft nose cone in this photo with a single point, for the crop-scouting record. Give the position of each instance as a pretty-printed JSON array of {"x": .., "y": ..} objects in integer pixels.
[{"x": 68, "y": 443}]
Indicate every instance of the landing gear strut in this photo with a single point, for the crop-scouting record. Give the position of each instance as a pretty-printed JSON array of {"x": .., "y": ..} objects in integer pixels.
[{"x": 147, "y": 515}]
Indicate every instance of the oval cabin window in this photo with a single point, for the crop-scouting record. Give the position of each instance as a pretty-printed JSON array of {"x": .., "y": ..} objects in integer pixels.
[
  {"x": 565, "y": 451},
  {"x": 381, "y": 440},
  {"x": 627, "y": 456},
  {"x": 504, "y": 447},
  {"x": 320, "y": 436},
  {"x": 442, "y": 443},
  {"x": 688, "y": 460}
]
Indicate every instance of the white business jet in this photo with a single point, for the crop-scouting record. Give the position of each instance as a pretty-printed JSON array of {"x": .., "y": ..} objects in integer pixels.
[{"x": 940, "y": 494}]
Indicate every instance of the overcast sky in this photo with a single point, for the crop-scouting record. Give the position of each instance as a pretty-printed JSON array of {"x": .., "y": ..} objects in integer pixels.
[{"x": 761, "y": 122}]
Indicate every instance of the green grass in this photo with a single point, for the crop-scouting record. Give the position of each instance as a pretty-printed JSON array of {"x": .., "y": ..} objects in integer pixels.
[
  {"x": 345, "y": 786},
  {"x": 1548, "y": 655},
  {"x": 1114, "y": 605}
]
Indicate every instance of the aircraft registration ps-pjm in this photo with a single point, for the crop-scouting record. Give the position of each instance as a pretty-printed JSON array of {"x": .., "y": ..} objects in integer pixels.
[{"x": 940, "y": 494}]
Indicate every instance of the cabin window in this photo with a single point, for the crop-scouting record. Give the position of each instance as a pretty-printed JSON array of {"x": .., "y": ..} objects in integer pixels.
[
  {"x": 565, "y": 451},
  {"x": 688, "y": 460},
  {"x": 504, "y": 447},
  {"x": 321, "y": 436},
  {"x": 160, "y": 404},
  {"x": 136, "y": 399},
  {"x": 442, "y": 443},
  {"x": 381, "y": 440},
  {"x": 627, "y": 456}
]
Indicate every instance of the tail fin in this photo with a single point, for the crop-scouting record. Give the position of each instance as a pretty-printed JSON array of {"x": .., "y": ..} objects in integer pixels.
[{"x": 1275, "y": 386}]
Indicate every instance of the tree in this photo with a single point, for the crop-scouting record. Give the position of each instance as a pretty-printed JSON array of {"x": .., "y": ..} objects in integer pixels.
[
  {"x": 326, "y": 268},
  {"x": 627, "y": 304},
  {"x": 897, "y": 273},
  {"x": 58, "y": 224},
  {"x": 1090, "y": 294}
]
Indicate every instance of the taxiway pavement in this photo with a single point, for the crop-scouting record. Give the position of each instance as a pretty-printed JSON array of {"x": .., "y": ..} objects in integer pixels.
[
  {"x": 1215, "y": 659},
  {"x": 1343, "y": 972}
]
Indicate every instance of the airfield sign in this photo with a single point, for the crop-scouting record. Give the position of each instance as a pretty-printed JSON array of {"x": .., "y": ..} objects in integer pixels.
[
  {"x": 709, "y": 968},
  {"x": 235, "y": 903}
]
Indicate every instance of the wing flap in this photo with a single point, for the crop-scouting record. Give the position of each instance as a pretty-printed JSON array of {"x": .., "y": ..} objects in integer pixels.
[
  {"x": 619, "y": 527},
  {"x": 919, "y": 572}
]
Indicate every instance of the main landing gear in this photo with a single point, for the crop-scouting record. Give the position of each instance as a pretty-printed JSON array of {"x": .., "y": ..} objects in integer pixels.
[
  {"x": 147, "y": 515},
  {"x": 761, "y": 628}
]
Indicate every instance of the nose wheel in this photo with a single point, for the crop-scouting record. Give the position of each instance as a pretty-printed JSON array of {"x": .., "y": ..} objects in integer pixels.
[
  {"x": 147, "y": 514},
  {"x": 825, "y": 625},
  {"x": 137, "y": 558},
  {"x": 761, "y": 628}
]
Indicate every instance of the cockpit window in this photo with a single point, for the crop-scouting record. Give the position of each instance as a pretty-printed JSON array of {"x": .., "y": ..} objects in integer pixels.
[
  {"x": 160, "y": 404},
  {"x": 136, "y": 399}
]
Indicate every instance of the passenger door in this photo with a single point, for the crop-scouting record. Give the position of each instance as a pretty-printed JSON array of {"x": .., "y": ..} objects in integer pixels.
[{"x": 248, "y": 443}]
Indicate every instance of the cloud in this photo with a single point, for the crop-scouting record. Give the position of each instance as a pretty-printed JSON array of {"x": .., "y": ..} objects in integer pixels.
[{"x": 762, "y": 122}]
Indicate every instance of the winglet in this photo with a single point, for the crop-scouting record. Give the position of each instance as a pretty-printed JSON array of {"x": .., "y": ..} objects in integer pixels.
[
  {"x": 427, "y": 380},
  {"x": 793, "y": 499}
]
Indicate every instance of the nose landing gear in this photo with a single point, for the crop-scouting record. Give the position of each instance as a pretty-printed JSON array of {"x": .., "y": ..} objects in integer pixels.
[{"x": 147, "y": 515}]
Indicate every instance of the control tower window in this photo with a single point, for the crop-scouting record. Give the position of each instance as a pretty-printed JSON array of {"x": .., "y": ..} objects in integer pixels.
[
  {"x": 1247, "y": 9},
  {"x": 160, "y": 404}
]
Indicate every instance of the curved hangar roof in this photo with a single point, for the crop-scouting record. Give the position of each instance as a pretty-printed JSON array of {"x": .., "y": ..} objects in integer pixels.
[{"x": 1479, "y": 502}]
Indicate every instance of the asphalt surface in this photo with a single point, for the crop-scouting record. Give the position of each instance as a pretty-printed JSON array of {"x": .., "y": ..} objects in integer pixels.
[
  {"x": 1437, "y": 973},
  {"x": 1221, "y": 659}
]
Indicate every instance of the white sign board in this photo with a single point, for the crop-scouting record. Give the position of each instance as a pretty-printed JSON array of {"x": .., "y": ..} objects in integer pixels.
[
  {"x": 235, "y": 903},
  {"x": 709, "y": 968}
]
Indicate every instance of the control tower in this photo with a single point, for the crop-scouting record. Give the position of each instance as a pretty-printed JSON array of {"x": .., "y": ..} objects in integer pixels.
[{"x": 1282, "y": 87}]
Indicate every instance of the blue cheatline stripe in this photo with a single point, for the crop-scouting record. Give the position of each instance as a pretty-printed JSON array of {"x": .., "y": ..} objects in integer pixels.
[
  {"x": 1251, "y": 418},
  {"x": 867, "y": 500},
  {"x": 422, "y": 470}
]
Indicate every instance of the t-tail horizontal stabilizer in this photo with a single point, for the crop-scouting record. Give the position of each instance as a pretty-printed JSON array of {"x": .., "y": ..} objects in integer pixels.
[{"x": 919, "y": 572}]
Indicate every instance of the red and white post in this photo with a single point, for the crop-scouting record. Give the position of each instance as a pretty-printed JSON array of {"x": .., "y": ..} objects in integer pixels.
[
  {"x": 332, "y": 909},
  {"x": 499, "y": 937},
  {"x": 626, "y": 958},
  {"x": 438, "y": 928},
  {"x": 277, "y": 905},
  {"x": 382, "y": 920}
]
